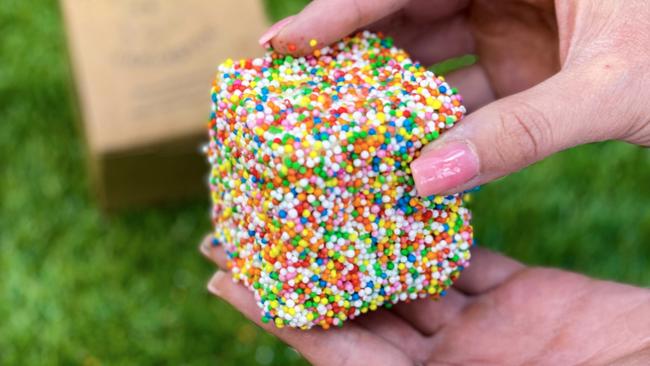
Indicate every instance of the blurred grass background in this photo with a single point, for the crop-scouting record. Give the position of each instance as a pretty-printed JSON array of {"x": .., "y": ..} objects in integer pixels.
[{"x": 77, "y": 287}]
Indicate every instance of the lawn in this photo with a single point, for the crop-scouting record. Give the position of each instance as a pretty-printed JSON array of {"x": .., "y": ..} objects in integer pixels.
[{"x": 77, "y": 287}]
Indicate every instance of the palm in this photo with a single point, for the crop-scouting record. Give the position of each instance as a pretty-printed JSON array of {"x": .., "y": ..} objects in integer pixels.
[
  {"x": 499, "y": 312},
  {"x": 541, "y": 316}
]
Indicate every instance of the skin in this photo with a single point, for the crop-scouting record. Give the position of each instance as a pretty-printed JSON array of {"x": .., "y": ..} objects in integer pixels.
[
  {"x": 500, "y": 312},
  {"x": 551, "y": 75}
]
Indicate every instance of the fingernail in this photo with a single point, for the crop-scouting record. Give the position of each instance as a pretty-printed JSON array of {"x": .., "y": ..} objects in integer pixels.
[
  {"x": 274, "y": 30},
  {"x": 205, "y": 248},
  {"x": 441, "y": 169},
  {"x": 213, "y": 285}
]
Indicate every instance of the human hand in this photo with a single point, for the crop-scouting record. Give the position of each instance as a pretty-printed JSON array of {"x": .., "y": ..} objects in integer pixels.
[
  {"x": 498, "y": 312},
  {"x": 565, "y": 72}
]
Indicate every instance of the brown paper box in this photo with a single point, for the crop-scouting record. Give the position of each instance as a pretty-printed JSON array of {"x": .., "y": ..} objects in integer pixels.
[{"x": 143, "y": 70}]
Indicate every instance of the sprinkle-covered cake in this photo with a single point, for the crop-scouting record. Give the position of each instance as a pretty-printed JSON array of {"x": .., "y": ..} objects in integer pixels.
[{"x": 313, "y": 197}]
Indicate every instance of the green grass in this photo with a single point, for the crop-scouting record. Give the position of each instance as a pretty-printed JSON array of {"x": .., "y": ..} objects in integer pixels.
[{"x": 77, "y": 287}]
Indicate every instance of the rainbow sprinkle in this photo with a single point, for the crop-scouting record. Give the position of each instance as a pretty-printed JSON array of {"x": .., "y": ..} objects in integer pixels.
[{"x": 313, "y": 197}]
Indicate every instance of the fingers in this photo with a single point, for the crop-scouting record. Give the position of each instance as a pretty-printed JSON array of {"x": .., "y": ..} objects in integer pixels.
[
  {"x": 474, "y": 86},
  {"x": 215, "y": 253},
  {"x": 431, "y": 42},
  {"x": 316, "y": 345},
  {"x": 514, "y": 132},
  {"x": 327, "y": 21},
  {"x": 486, "y": 271},
  {"x": 396, "y": 331},
  {"x": 422, "y": 11},
  {"x": 350, "y": 345},
  {"x": 428, "y": 315}
]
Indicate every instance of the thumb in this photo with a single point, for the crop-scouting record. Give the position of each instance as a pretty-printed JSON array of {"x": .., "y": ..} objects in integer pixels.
[{"x": 514, "y": 132}]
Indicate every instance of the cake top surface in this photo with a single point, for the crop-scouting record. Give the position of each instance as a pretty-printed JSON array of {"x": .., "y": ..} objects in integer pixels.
[{"x": 359, "y": 88}]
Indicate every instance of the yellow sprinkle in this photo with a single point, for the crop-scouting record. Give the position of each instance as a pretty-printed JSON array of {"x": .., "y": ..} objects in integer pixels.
[{"x": 313, "y": 43}]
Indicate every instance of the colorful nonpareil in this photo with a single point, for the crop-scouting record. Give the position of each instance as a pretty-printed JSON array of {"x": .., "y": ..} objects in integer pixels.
[{"x": 313, "y": 197}]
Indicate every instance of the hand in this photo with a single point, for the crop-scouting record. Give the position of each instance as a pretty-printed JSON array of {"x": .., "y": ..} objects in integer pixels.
[
  {"x": 499, "y": 312},
  {"x": 566, "y": 73}
]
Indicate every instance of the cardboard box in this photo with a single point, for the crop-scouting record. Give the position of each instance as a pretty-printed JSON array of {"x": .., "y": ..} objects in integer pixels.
[{"x": 143, "y": 70}]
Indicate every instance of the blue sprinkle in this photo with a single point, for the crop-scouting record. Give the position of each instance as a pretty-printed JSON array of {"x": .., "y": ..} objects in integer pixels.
[{"x": 411, "y": 258}]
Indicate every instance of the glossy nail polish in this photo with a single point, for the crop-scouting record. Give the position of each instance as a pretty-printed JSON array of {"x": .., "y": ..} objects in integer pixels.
[{"x": 444, "y": 168}]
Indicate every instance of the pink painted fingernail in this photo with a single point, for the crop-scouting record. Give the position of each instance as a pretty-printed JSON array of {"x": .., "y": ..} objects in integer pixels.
[
  {"x": 441, "y": 169},
  {"x": 274, "y": 30}
]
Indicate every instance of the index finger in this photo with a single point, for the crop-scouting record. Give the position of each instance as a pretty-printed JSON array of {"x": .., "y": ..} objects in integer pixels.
[
  {"x": 487, "y": 270},
  {"x": 348, "y": 345},
  {"x": 327, "y": 21}
]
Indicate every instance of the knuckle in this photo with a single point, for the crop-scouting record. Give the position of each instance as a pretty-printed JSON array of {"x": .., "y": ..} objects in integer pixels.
[{"x": 525, "y": 132}]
